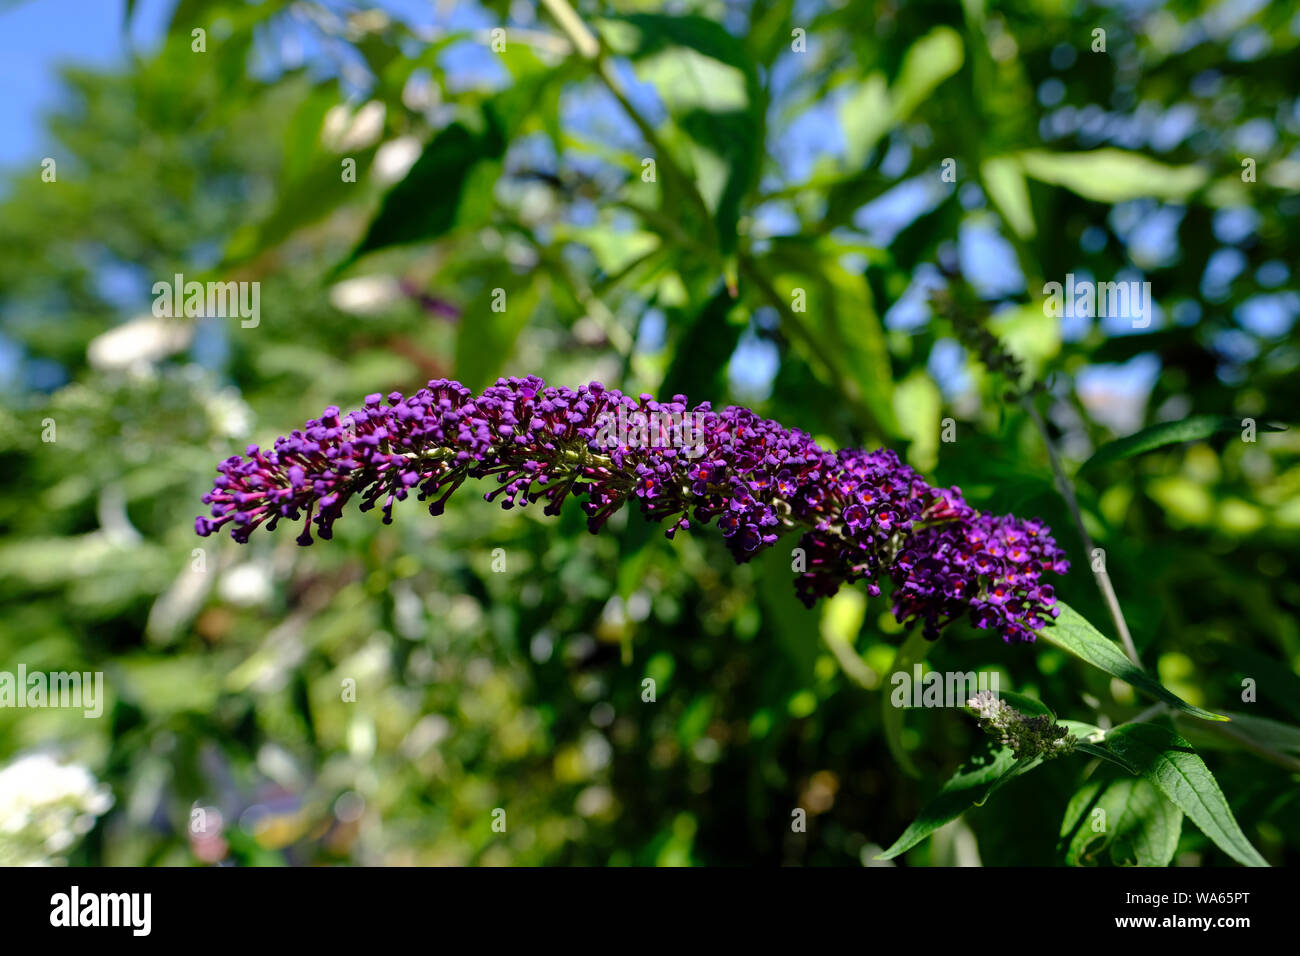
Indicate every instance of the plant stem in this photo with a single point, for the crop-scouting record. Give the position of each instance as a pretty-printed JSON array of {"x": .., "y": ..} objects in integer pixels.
[
  {"x": 588, "y": 47},
  {"x": 791, "y": 323},
  {"x": 1264, "y": 752},
  {"x": 1066, "y": 488},
  {"x": 583, "y": 40}
]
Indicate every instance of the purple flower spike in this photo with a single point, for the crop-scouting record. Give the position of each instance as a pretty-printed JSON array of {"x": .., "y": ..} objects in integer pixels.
[{"x": 865, "y": 516}]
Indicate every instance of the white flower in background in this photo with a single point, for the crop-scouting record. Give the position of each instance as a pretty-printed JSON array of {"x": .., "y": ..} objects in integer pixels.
[
  {"x": 420, "y": 93},
  {"x": 345, "y": 131},
  {"x": 367, "y": 295},
  {"x": 229, "y": 413},
  {"x": 247, "y": 585},
  {"x": 138, "y": 343},
  {"x": 395, "y": 158},
  {"x": 45, "y": 808}
]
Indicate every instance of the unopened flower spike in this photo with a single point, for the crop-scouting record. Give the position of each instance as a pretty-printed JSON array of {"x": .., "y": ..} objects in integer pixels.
[
  {"x": 967, "y": 319},
  {"x": 1026, "y": 736},
  {"x": 864, "y": 516}
]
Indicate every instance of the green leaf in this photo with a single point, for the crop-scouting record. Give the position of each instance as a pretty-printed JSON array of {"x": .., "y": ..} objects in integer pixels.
[
  {"x": 872, "y": 109},
  {"x": 842, "y": 320},
  {"x": 865, "y": 116},
  {"x": 695, "y": 721},
  {"x": 930, "y": 61},
  {"x": 1026, "y": 704},
  {"x": 1004, "y": 178},
  {"x": 918, "y": 408},
  {"x": 1022, "y": 766},
  {"x": 1137, "y": 826},
  {"x": 912, "y": 651},
  {"x": 707, "y": 82},
  {"x": 427, "y": 203},
  {"x": 1273, "y": 734},
  {"x": 1083, "y": 730},
  {"x": 703, "y": 349},
  {"x": 453, "y": 181},
  {"x": 1196, "y": 428},
  {"x": 967, "y": 787},
  {"x": 789, "y": 621},
  {"x": 311, "y": 184},
  {"x": 1099, "y": 751},
  {"x": 188, "y": 13},
  {"x": 1091, "y": 739},
  {"x": 1112, "y": 175},
  {"x": 1162, "y": 756},
  {"x": 485, "y": 337},
  {"x": 1074, "y": 634},
  {"x": 1272, "y": 679}
]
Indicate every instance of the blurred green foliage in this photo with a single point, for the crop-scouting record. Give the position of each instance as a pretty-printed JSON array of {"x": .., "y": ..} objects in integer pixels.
[{"x": 798, "y": 149}]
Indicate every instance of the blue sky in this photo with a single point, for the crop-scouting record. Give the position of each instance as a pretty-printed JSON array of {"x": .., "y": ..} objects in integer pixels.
[{"x": 37, "y": 36}]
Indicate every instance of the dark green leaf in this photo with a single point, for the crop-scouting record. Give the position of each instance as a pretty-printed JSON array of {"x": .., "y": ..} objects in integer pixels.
[
  {"x": 427, "y": 203},
  {"x": 1137, "y": 826},
  {"x": 1197, "y": 428},
  {"x": 1271, "y": 733},
  {"x": 1091, "y": 739},
  {"x": 1074, "y": 634},
  {"x": 1101, "y": 752},
  {"x": 486, "y": 336},
  {"x": 967, "y": 787},
  {"x": 703, "y": 349},
  {"x": 1022, "y": 766},
  {"x": 1169, "y": 762}
]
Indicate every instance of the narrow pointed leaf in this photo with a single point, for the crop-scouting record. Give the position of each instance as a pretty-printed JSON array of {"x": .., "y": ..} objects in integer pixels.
[
  {"x": 1196, "y": 428},
  {"x": 1074, "y": 634},
  {"x": 1138, "y": 826},
  {"x": 1168, "y": 761},
  {"x": 969, "y": 785}
]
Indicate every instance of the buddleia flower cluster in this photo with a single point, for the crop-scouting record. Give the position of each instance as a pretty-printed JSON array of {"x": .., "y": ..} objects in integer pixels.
[{"x": 864, "y": 516}]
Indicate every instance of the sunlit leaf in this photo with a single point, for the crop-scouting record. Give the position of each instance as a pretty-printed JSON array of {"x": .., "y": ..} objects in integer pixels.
[
  {"x": 1124, "y": 820},
  {"x": 1074, "y": 634},
  {"x": 705, "y": 79},
  {"x": 1168, "y": 761},
  {"x": 873, "y": 107},
  {"x": 1004, "y": 178},
  {"x": 1112, "y": 175},
  {"x": 1197, "y": 428}
]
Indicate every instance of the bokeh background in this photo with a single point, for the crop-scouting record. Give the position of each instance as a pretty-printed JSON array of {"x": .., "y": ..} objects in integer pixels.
[{"x": 797, "y": 145}]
